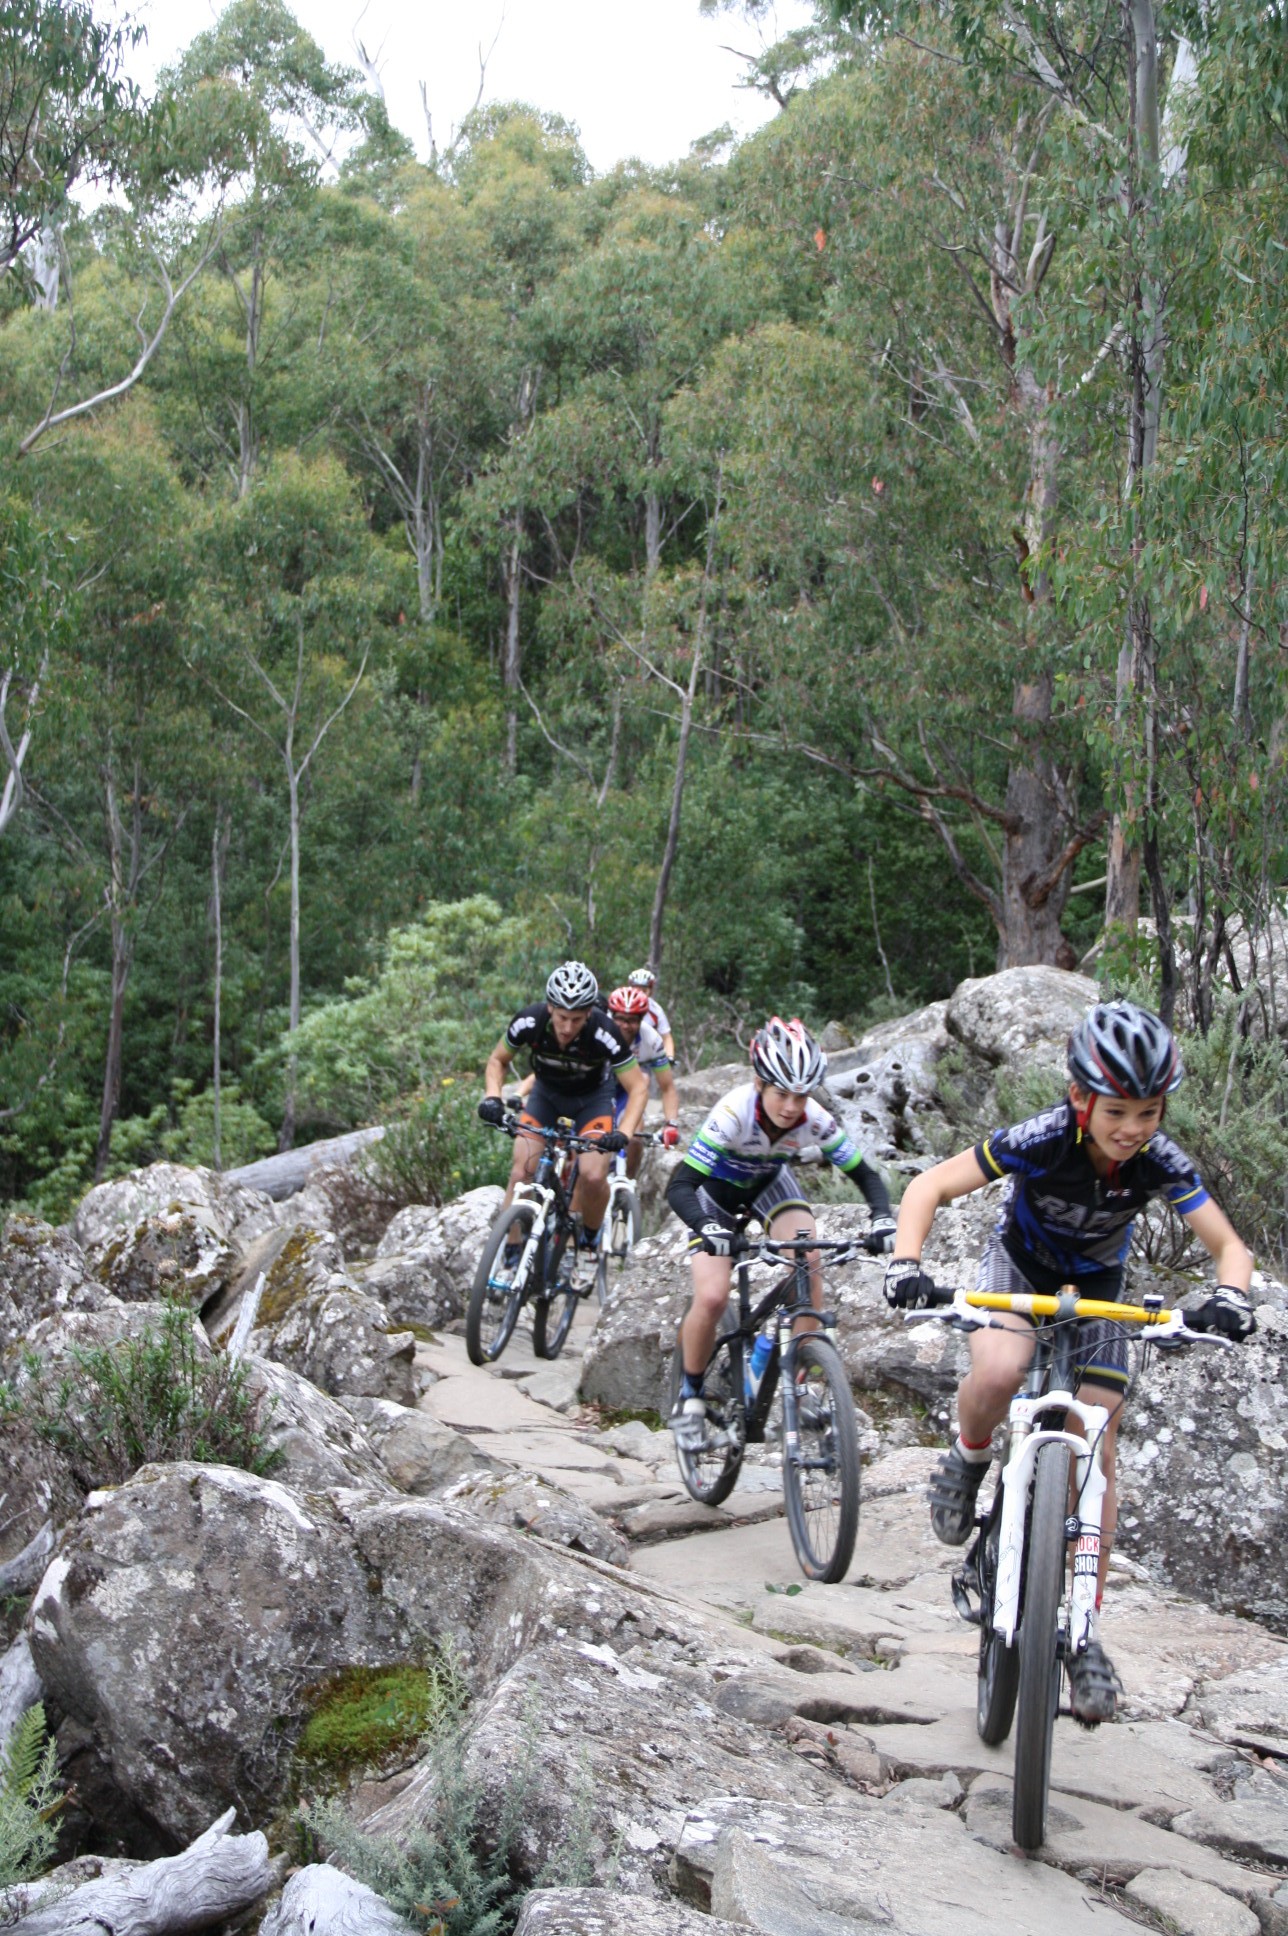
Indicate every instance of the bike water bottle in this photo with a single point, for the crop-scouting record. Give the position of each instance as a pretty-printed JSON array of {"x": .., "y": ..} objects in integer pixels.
[{"x": 761, "y": 1352}]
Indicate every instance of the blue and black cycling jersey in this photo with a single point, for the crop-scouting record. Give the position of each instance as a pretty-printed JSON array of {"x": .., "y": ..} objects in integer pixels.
[{"x": 1059, "y": 1212}]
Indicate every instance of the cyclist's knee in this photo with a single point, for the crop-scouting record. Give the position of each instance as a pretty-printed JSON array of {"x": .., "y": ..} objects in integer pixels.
[{"x": 594, "y": 1168}]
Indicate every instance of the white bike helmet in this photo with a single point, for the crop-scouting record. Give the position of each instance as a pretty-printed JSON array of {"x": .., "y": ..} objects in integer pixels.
[
  {"x": 642, "y": 978},
  {"x": 786, "y": 1054},
  {"x": 572, "y": 986}
]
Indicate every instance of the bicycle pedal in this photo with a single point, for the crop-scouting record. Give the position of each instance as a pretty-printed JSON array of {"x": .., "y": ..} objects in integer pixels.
[{"x": 963, "y": 1584}]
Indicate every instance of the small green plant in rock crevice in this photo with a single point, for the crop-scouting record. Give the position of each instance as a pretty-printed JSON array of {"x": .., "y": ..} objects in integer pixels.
[
  {"x": 150, "y": 1399},
  {"x": 30, "y": 1797},
  {"x": 370, "y": 1717},
  {"x": 445, "y": 1876}
]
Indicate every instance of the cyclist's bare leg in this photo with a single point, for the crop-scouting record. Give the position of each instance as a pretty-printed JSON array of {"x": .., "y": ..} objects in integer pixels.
[
  {"x": 712, "y": 1280},
  {"x": 523, "y": 1166},
  {"x": 999, "y": 1360},
  {"x": 1111, "y": 1397},
  {"x": 590, "y": 1198},
  {"x": 788, "y": 1224}
]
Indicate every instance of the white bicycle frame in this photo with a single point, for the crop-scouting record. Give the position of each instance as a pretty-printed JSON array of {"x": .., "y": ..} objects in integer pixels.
[
  {"x": 543, "y": 1197},
  {"x": 1027, "y": 1437}
]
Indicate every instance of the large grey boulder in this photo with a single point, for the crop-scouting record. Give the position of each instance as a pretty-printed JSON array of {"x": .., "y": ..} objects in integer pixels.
[
  {"x": 628, "y": 1742},
  {"x": 43, "y": 1273},
  {"x": 313, "y": 1317},
  {"x": 626, "y": 1361},
  {"x": 531, "y": 1504},
  {"x": 1021, "y": 1017},
  {"x": 424, "y": 1264},
  {"x": 234, "y": 1212},
  {"x": 317, "y": 1442},
  {"x": 607, "y": 1912},
  {"x": 1249, "y": 1705},
  {"x": 419, "y": 1454},
  {"x": 884, "y": 1087},
  {"x": 190, "y": 1611},
  {"x": 181, "y": 1253},
  {"x": 1203, "y": 1473}
]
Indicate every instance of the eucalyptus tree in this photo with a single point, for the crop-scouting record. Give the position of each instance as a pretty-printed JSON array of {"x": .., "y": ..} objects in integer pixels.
[{"x": 290, "y": 601}]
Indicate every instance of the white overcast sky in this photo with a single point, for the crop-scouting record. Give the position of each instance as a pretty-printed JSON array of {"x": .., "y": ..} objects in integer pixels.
[{"x": 641, "y": 80}]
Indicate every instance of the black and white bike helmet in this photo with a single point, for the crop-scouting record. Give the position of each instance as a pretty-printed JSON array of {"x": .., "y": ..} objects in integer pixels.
[
  {"x": 1122, "y": 1050},
  {"x": 786, "y": 1054},
  {"x": 572, "y": 986}
]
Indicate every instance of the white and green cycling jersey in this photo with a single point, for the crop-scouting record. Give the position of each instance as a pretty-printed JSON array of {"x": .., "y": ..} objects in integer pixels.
[{"x": 738, "y": 1147}]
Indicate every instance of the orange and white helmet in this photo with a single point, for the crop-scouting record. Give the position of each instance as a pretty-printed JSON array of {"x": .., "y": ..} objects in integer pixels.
[{"x": 786, "y": 1055}]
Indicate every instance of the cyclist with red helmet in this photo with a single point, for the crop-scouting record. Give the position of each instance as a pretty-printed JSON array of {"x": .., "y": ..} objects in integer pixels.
[
  {"x": 738, "y": 1166},
  {"x": 1077, "y": 1175},
  {"x": 629, "y": 1007}
]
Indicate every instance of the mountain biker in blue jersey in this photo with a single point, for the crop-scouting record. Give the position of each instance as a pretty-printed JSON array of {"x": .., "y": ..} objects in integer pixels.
[
  {"x": 738, "y": 1165},
  {"x": 1077, "y": 1175}
]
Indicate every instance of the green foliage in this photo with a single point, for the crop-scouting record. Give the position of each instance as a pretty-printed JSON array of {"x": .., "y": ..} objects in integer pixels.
[
  {"x": 30, "y": 1796},
  {"x": 435, "y": 1147},
  {"x": 441, "y": 995},
  {"x": 447, "y": 1876},
  {"x": 150, "y": 1399},
  {"x": 1231, "y": 1115},
  {"x": 368, "y": 1717}
]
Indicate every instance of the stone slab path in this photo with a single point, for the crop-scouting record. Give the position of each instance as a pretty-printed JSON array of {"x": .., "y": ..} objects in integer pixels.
[{"x": 1158, "y": 1819}]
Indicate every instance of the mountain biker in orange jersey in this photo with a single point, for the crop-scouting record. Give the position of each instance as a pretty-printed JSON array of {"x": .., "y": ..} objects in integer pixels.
[
  {"x": 576, "y": 1052},
  {"x": 737, "y": 1164},
  {"x": 629, "y": 1007},
  {"x": 1078, "y": 1173}
]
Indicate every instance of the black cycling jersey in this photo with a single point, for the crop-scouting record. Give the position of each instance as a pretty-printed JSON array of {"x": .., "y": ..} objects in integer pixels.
[
  {"x": 1058, "y": 1209},
  {"x": 585, "y": 1064}
]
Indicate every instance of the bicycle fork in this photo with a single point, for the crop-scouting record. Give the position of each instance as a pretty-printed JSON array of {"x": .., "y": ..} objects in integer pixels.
[
  {"x": 1082, "y": 1524},
  {"x": 528, "y": 1193}
]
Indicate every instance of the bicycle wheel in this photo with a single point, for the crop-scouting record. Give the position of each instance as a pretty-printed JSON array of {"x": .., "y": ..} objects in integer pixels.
[
  {"x": 620, "y": 1237},
  {"x": 821, "y": 1477},
  {"x": 555, "y": 1301},
  {"x": 497, "y": 1294},
  {"x": 999, "y": 1665},
  {"x": 711, "y": 1474},
  {"x": 1039, "y": 1676}
]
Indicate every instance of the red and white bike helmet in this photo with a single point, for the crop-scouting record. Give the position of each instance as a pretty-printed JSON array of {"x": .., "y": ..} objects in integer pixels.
[
  {"x": 628, "y": 1001},
  {"x": 786, "y": 1055}
]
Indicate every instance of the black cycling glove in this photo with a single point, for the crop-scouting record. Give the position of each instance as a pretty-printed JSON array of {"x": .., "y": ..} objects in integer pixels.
[
  {"x": 907, "y": 1287},
  {"x": 492, "y": 1110},
  {"x": 1227, "y": 1311}
]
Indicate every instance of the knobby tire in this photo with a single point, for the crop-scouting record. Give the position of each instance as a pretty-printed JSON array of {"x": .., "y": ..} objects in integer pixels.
[
  {"x": 710, "y": 1475},
  {"x": 490, "y": 1316},
  {"x": 822, "y": 1494},
  {"x": 553, "y": 1308},
  {"x": 608, "y": 1258},
  {"x": 1039, "y": 1678},
  {"x": 999, "y": 1665}
]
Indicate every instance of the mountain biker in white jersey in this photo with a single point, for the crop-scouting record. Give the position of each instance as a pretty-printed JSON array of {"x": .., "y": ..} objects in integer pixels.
[
  {"x": 629, "y": 1008},
  {"x": 645, "y": 978},
  {"x": 738, "y": 1165},
  {"x": 1077, "y": 1174}
]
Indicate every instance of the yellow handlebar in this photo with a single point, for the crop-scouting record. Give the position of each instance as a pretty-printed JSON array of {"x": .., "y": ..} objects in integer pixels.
[{"x": 1031, "y": 1305}]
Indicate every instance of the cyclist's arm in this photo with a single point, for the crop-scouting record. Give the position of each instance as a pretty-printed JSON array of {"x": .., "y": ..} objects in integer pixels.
[
  {"x": 682, "y": 1195},
  {"x": 498, "y": 1062},
  {"x": 1229, "y": 1253},
  {"x": 668, "y": 1043},
  {"x": 634, "y": 1081},
  {"x": 526, "y": 1087},
  {"x": 873, "y": 1187},
  {"x": 670, "y": 1095},
  {"x": 956, "y": 1177}
]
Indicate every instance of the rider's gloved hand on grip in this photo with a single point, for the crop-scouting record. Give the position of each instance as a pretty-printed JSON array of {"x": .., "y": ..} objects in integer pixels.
[
  {"x": 880, "y": 1237},
  {"x": 670, "y": 1135},
  {"x": 492, "y": 1110},
  {"x": 717, "y": 1241},
  {"x": 614, "y": 1141},
  {"x": 907, "y": 1288},
  {"x": 1226, "y": 1311}
]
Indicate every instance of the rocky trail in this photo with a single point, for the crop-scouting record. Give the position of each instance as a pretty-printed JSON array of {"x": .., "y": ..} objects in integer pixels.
[
  {"x": 699, "y": 1741},
  {"x": 1169, "y": 1817}
]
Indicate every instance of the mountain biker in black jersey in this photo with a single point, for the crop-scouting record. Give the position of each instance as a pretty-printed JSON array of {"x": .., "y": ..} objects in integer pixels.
[
  {"x": 738, "y": 1164},
  {"x": 1077, "y": 1174},
  {"x": 577, "y": 1055}
]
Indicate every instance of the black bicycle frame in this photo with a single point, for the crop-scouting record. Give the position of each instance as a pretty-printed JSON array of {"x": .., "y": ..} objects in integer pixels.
[{"x": 749, "y": 1323}]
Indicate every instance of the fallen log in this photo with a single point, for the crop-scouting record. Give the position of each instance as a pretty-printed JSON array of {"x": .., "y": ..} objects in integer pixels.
[
  {"x": 322, "y": 1901},
  {"x": 22, "y": 1574},
  {"x": 281, "y": 1176},
  {"x": 217, "y": 1877},
  {"x": 19, "y": 1687}
]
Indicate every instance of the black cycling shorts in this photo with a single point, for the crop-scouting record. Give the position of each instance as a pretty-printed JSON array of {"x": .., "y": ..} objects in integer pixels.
[{"x": 590, "y": 1113}]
